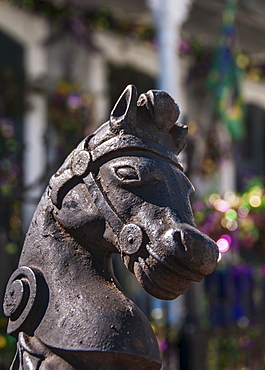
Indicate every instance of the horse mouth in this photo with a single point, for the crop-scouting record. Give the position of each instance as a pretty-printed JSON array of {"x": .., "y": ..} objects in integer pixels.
[
  {"x": 159, "y": 282},
  {"x": 166, "y": 274}
]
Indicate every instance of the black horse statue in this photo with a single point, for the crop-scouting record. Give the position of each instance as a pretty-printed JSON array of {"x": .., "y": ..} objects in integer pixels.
[{"x": 122, "y": 190}]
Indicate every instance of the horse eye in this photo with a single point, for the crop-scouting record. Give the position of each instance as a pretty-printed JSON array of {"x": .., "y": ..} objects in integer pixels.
[{"x": 127, "y": 173}]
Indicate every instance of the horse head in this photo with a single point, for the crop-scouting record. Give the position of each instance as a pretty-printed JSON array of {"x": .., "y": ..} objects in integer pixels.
[
  {"x": 139, "y": 198},
  {"x": 122, "y": 190}
]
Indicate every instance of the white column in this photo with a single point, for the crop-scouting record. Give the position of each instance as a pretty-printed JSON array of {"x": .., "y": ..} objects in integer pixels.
[
  {"x": 169, "y": 15},
  {"x": 227, "y": 175},
  {"x": 35, "y": 123},
  {"x": 35, "y": 156},
  {"x": 97, "y": 76}
]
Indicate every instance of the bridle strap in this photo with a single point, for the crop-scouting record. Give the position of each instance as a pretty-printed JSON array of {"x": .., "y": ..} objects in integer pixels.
[
  {"x": 130, "y": 236},
  {"x": 102, "y": 204}
]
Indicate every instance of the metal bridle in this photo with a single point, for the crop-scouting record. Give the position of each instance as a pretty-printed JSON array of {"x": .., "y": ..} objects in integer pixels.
[{"x": 130, "y": 236}]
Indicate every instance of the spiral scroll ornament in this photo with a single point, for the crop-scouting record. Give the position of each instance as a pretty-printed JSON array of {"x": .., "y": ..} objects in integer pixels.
[{"x": 21, "y": 297}]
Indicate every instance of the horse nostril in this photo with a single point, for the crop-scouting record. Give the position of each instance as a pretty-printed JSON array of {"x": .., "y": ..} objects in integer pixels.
[
  {"x": 177, "y": 239},
  {"x": 201, "y": 251}
]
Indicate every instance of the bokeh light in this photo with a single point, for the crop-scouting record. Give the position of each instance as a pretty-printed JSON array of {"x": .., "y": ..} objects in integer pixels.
[
  {"x": 243, "y": 322},
  {"x": 255, "y": 201},
  {"x": 231, "y": 215},
  {"x": 242, "y": 61},
  {"x": 3, "y": 341},
  {"x": 73, "y": 102},
  {"x": 232, "y": 198},
  {"x": 213, "y": 198},
  {"x": 227, "y": 237},
  {"x": 222, "y": 205},
  {"x": 256, "y": 190},
  {"x": 224, "y": 222},
  {"x": 157, "y": 313},
  {"x": 232, "y": 225},
  {"x": 243, "y": 211},
  {"x": 223, "y": 244}
]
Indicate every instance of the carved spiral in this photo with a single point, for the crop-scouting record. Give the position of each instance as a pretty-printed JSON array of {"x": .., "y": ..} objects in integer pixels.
[{"x": 20, "y": 297}]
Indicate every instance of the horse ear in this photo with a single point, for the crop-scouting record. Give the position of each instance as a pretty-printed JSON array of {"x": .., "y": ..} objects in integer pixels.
[
  {"x": 125, "y": 109},
  {"x": 179, "y": 134}
]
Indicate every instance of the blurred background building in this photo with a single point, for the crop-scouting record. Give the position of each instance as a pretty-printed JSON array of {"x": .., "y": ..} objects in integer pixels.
[{"x": 63, "y": 64}]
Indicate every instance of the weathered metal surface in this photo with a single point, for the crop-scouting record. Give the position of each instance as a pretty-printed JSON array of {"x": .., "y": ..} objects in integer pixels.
[{"x": 122, "y": 190}]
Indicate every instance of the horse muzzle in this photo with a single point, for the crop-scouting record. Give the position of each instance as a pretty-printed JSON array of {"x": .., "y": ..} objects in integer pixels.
[{"x": 171, "y": 260}]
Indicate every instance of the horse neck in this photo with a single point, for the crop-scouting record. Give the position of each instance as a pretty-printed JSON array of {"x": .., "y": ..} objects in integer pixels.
[{"x": 49, "y": 248}]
